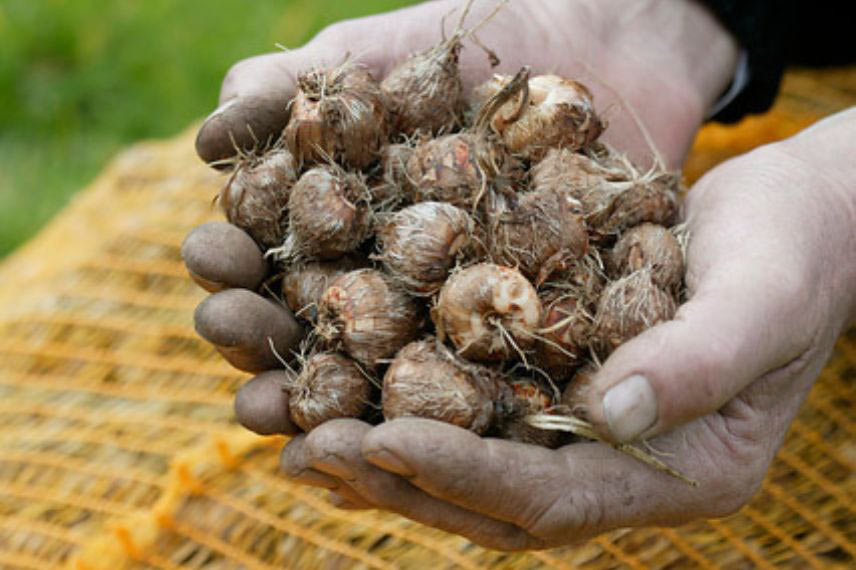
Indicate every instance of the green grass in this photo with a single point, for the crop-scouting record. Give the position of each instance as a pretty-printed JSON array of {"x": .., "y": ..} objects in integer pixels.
[{"x": 80, "y": 79}]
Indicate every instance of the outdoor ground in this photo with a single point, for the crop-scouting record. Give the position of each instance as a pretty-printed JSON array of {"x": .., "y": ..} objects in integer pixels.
[{"x": 81, "y": 79}]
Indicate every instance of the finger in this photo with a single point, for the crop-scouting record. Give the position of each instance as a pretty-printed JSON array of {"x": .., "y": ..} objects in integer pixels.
[
  {"x": 557, "y": 497},
  {"x": 341, "y": 502},
  {"x": 241, "y": 124},
  {"x": 335, "y": 449},
  {"x": 295, "y": 464},
  {"x": 221, "y": 256},
  {"x": 241, "y": 325},
  {"x": 496, "y": 478},
  {"x": 261, "y": 405},
  {"x": 749, "y": 314}
]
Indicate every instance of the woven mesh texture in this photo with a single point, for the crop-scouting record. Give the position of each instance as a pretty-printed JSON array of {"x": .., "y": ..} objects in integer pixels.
[{"x": 118, "y": 449}]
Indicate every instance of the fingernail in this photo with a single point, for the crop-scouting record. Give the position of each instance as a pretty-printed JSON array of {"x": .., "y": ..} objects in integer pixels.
[
  {"x": 389, "y": 462},
  {"x": 630, "y": 408},
  {"x": 334, "y": 466}
]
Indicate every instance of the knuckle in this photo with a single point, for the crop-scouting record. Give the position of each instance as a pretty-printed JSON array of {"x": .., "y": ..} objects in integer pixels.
[
  {"x": 737, "y": 475},
  {"x": 325, "y": 440}
]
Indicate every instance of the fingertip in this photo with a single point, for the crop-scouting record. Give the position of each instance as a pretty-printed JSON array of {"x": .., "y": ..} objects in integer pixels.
[
  {"x": 398, "y": 434},
  {"x": 242, "y": 325},
  {"x": 246, "y": 123},
  {"x": 385, "y": 445},
  {"x": 220, "y": 256},
  {"x": 261, "y": 405},
  {"x": 295, "y": 465},
  {"x": 342, "y": 434},
  {"x": 292, "y": 458}
]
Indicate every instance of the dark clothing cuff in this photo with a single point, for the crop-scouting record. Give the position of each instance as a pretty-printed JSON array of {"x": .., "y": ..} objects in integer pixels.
[{"x": 761, "y": 29}]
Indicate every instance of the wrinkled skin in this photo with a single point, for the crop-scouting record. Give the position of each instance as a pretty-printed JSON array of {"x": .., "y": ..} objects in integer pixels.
[{"x": 771, "y": 280}]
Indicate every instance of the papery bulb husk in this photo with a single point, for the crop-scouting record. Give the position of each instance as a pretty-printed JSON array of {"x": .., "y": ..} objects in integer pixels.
[
  {"x": 542, "y": 234},
  {"x": 593, "y": 183},
  {"x": 394, "y": 159},
  {"x": 304, "y": 283},
  {"x": 337, "y": 114},
  {"x": 390, "y": 186},
  {"x": 255, "y": 197},
  {"x": 651, "y": 246},
  {"x": 330, "y": 214},
  {"x": 489, "y": 312},
  {"x": 530, "y": 398},
  {"x": 424, "y": 92},
  {"x": 558, "y": 113},
  {"x": 564, "y": 333},
  {"x": 448, "y": 169},
  {"x": 576, "y": 393},
  {"x": 653, "y": 200},
  {"x": 628, "y": 307},
  {"x": 329, "y": 386},
  {"x": 585, "y": 278},
  {"x": 367, "y": 316},
  {"x": 464, "y": 167},
  {"x": 421, "y": 243},
  {"x": 615, "y": 195},
  {"x": 427, "y": 380}
]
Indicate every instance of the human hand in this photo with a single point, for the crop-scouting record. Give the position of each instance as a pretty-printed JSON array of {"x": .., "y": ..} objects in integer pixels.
[
  {"x": 685, "y": 62},
  {"x": 771, "y": 285}
]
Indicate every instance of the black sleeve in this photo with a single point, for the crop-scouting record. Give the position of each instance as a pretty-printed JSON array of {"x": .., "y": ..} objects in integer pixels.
[{"x": 778, "y": 33}]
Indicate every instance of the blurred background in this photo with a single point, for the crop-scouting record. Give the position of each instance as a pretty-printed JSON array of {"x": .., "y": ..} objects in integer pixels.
[{"x": 81, "y": 79}]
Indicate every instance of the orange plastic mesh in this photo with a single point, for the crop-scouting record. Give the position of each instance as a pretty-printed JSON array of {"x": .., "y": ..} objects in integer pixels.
[{"x": 118, "y": 449}]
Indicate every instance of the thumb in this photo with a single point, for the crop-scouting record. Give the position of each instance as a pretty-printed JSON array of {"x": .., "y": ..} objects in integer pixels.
[{"x": 748, "y": 316}]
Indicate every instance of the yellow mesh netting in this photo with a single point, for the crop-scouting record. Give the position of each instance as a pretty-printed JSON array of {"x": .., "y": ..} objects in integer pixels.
[{"x": 118, "y": 448}]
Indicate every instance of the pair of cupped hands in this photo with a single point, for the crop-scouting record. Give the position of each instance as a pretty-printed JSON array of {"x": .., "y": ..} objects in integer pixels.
[{"x": 771, "y": 281}]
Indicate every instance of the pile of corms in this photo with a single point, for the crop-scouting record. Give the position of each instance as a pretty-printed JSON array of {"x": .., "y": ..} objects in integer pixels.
[{"x": 468, "y": 258}]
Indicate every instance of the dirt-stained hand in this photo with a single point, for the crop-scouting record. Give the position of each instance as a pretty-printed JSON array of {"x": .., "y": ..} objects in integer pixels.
[{"x": 772, "y": 283}]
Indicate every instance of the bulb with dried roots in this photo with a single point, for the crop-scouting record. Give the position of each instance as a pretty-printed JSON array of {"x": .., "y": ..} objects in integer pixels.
[{"x": 489, "y": 312}]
